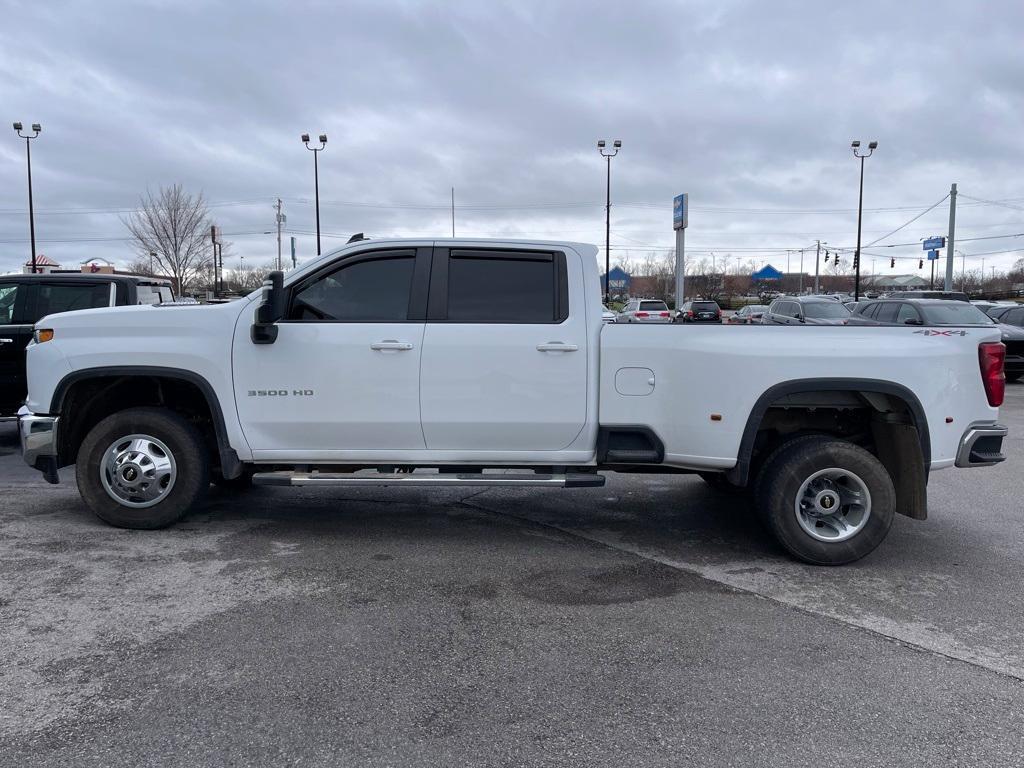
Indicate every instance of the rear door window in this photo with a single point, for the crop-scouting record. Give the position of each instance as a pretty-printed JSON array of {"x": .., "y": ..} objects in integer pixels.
[
  {"x": 56, "y": 297},
  {"x": 506, "y": 287}
]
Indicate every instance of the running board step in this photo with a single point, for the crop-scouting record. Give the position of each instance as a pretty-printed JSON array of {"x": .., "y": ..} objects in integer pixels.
[{"x": 430, "y": 480}]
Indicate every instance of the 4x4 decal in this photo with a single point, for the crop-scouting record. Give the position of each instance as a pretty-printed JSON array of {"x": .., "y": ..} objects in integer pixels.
[{"x": 931, "y": 332}]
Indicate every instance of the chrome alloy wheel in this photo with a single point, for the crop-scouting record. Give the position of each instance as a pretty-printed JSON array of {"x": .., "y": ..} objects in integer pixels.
[
  {"x": 138, "y": 471},
  {"x": 833, "y": 505}
]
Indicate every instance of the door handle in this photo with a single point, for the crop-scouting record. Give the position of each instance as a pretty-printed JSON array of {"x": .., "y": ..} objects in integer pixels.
[
  {"x": 6, "y": 341},
  {"x": 556, "y": 346},
  {"x": 391, "y": 344}
]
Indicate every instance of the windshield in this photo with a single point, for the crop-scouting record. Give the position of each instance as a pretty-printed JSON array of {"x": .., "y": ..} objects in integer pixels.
[
  {"x": 825, "y": 309},
  {"x": 757, "y": 309},
  {"x": 954, "y": 314},
  {"x": 653, "y": 306}
]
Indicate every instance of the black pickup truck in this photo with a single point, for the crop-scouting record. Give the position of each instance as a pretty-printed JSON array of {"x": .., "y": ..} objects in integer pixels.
[{"x": 24, "y": 299}]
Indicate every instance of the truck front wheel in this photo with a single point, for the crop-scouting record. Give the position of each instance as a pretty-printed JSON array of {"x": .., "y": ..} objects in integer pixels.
[
  {"x": 826, "y": 500},
  {"x": 142, "y": 468}
]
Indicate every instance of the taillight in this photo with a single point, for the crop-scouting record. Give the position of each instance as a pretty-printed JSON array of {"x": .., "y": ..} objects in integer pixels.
[
  {"x": 642, "y": 314},
  {"x": 991, "y": 355},
  {"x": 689, "y": 313},
  {"x": 663, "y": 314}
]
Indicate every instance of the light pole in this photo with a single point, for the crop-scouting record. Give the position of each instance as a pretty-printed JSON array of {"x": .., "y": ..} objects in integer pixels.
[
  {"x": 316, "y": 179},
  {"x": 36, "y": 130},
  {"x": 617, "y": 145},
  {"x": 855, "y": 146}
]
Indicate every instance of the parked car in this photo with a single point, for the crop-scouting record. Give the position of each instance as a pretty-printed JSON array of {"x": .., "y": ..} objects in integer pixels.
[
  {"x": 805, "y": 310},
  {"x": 411, "y": 363},
  {"x": 699, "y": 311},
  {"x": 950, "y": 295},
  {"x": 997, "y": 311},
  {"x": 747, "y": 315},
  {"x": 26, "y": 298},
  {"x": 607, "y": 316},
  {"x": 945, "y": 313},
  {"x": 1010, "y": 315},
  {"x": 644, "y": 311}
]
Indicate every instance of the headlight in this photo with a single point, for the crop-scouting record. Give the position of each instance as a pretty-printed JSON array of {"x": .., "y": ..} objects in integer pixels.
[{"x": 42, "y": 335}]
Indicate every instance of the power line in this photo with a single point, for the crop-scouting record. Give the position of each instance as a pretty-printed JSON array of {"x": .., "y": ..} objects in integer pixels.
[{"x": 907, "y": 224}]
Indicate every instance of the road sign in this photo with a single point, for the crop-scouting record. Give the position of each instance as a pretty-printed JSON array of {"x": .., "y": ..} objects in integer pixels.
[
  {"x": 680, "y": 211},
  {"x": 934, "y": 242},
  {"x": 933, "y": 255}
]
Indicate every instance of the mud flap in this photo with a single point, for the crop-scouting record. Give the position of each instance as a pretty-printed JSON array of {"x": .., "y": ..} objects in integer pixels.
[{"x": 899, "y": 450}]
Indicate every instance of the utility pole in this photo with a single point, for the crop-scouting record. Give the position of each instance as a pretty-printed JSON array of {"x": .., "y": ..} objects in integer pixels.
[
  {"x": 453, "y": 211},
  {"x": 817, "y": 259},
  {"x": 280, "y": 220},
  {"x": 949, "y": 239},
  {"x": 801, "y": 270}
]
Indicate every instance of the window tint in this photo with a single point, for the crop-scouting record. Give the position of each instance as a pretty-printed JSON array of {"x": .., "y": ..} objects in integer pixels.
[
  {"x": 907, "y": 312},
  {"x": 830, "y": 309},
  {"x": 368, "y": 291},
  {"x": 869, "y": 310},
  {"x": 51, "y": 299},
  {"x": 655, "y": 306},
  {"x": 886, "y": 312},
  {"x": 8, "y": 294},
  {"x": 501, "y": 289},
  {"x": 959, "y": 313},
  {"x": 705, "y": 306},
  {"x": 783, "y": 308},
  {"x": 1014, "y": 317}
]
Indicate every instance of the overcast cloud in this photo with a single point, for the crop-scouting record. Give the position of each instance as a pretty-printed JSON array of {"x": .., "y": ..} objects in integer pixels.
[{"x": 745, "y": 105}]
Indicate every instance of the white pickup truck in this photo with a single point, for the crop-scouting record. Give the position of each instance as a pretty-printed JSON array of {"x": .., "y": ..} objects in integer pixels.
[{"x": 486, "y": 363}]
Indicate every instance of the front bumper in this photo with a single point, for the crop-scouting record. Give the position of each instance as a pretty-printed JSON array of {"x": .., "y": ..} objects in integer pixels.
[
  {"x": 39, "y": 442},
  {"x": 981, "y": 446}
]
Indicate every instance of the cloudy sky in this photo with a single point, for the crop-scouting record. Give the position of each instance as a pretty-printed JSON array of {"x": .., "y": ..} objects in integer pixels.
[{"x": 748, "y": 106}]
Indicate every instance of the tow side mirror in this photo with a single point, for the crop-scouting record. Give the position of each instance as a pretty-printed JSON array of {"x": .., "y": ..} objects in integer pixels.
[
  {"x": 264, "y": 329},
  {"x": 913, "y": 321}
]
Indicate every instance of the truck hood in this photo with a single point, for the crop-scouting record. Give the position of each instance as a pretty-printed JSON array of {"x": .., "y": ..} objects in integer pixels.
[{"x": 141, "y": 316}]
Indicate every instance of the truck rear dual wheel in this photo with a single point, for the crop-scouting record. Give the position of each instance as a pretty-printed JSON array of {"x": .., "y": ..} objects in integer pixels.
[
  {"x": 142, "y": 468},
  {"x": 826, "y": 500}
]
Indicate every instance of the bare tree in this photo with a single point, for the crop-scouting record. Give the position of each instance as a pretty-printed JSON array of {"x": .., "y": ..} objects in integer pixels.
[
  {"x": 247, "y": 279},
  {"x": 174, "y": 226}
]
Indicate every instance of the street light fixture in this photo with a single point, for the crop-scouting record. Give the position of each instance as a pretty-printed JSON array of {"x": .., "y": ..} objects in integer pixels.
[
  {"x": 617, "y": 145},
  {"x": 316, "y": 179},
  {"x": 855, "y": 146},
  {"x": 36, "y": 130}
]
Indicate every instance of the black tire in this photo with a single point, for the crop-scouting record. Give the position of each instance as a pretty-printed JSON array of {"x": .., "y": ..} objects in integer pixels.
[
  {"x": 184, "y": 443},
  {"x": 788, "y": 467}
]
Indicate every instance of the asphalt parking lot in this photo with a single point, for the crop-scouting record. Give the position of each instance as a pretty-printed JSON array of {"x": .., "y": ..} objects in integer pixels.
[{"x": 649, "y": 622}]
